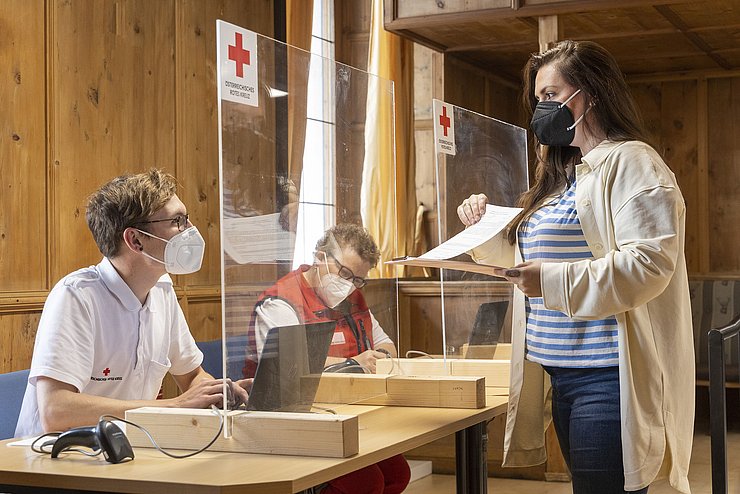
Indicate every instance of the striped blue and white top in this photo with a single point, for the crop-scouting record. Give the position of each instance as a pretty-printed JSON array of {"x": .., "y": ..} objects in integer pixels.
[{"x": 553, "y": 233}]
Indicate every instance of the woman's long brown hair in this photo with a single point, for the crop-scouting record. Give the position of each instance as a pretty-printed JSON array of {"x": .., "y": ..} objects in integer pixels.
[{"x": 587, "y": 66}]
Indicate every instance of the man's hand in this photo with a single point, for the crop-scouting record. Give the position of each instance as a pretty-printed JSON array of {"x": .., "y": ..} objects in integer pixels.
[
  {"x": 368, "y": 358},
  {"x": 472, "y": 209},
  {"x": 526, "y": 276},
  {"x": 201, "y": 394},
  {"x": 240, "y": 390}
]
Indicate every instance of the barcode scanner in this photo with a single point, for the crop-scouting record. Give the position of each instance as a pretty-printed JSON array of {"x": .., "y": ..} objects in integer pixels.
[{"x": 106, "y": 437}]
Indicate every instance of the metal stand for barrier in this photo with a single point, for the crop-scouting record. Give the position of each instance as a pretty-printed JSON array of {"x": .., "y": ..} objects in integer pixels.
[{"x": 717, "y": 410}]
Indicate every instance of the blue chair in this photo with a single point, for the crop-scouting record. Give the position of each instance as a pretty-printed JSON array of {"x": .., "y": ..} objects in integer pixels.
[
  {"x": 212, "y": 357},
  {"x": 12, "y": 389}
]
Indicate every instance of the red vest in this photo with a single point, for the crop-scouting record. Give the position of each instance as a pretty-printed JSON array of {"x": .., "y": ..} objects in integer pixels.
[{"x": 352, "y": 317}]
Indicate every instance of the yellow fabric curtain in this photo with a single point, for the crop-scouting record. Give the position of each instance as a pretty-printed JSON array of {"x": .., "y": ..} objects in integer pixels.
[{"x": 392, "y": 58}]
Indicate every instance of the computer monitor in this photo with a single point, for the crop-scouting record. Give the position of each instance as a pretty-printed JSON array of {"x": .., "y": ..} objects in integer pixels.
[
  {"x": 290, "y": 353},
  {"x": 489, "y": 321}
]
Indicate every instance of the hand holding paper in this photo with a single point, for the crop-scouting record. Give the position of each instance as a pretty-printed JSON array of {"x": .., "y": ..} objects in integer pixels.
[{"x": 491, "y": 224}]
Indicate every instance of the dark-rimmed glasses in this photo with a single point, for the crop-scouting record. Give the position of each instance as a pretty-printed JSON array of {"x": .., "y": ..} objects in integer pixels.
[
  {"x": 181, "y": 220},
  {"x": 347, "y": 274}
]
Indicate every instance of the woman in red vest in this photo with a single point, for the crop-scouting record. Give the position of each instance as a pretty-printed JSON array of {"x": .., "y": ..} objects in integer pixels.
[{"x": 328, "y": 290}]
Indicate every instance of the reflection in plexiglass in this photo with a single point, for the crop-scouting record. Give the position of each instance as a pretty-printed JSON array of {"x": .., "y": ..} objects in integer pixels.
[
  {"x": 294, "y": 262},
  {"x": 490, "y": 157}
]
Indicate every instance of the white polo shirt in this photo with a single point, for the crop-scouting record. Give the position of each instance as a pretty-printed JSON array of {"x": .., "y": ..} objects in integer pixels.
[{"x": 95, "y": 335}]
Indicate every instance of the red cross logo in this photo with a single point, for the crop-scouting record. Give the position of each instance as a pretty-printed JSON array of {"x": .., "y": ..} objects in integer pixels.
[
  {"x": 238, "y": 54},
  {"x": 106, "y": 371},
  {"x": 444, "y": 120}
]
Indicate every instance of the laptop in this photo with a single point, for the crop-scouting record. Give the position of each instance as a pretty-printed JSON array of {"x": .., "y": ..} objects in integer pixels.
[
  {"x": 488, "y": 324},
  {"x": 290, "y": 354}
]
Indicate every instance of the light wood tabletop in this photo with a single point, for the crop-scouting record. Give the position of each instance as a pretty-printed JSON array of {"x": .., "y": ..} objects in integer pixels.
[{"x": 385, "y": 431}]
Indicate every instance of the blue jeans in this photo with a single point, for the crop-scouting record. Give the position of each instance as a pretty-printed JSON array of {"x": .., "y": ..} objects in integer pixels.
[{"x": 585, "y": 409}]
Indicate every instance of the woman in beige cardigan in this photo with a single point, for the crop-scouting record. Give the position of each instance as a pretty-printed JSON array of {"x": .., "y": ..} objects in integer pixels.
[{"x": 602, "y": 335}]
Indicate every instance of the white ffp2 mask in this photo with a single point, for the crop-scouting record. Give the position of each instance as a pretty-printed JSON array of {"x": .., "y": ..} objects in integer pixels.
[
  {"x": 183, "y": 253},
  {"x": 333, "y": 288}
]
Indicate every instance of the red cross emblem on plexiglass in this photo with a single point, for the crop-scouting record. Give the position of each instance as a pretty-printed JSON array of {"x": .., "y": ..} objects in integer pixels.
[
  {"x": 444, "y": 120},
  {"x": 238, "y": 54}
]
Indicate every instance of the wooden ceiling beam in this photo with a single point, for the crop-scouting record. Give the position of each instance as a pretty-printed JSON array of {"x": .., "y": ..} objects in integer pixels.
[
  {"x": 494, "y": 47},
  {"x": 681, "y": 76},
  {"x": 693, "y": 37},
  {"x": 442, "y": 18},
  {"x": 589, "y": 37}
]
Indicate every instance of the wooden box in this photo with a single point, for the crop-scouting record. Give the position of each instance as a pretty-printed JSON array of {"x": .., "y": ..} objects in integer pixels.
[
  {"x": 307, "y": 434},
  {"x": 382, "y": 389}
]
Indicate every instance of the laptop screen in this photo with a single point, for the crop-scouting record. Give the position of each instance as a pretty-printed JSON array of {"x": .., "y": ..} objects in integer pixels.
[
  {"x": 290, "y": 353},
  {"x": 488, "y": 323}
]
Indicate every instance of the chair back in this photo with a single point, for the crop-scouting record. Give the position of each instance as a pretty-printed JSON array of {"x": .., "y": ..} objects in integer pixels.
[
  {"x": 717, "y": 406},
  {"x": 212, "y": 357},
  {"x": 12, "y": 389}
]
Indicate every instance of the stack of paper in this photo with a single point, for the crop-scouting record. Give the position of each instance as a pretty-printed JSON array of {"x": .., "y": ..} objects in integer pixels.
[{"x": 495, "y": 219}]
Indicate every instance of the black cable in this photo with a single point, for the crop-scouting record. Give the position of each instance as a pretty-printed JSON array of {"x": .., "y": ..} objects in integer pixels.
[
  {"x": 41, "y": 450},
  {"x": 162, "y": 450},
  {"x": 46, "y": 444}
]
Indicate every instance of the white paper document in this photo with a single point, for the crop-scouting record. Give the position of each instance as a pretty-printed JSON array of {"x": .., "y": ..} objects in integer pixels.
[
  {"x": 257, "y": 239},
  {"x": 493, "y": 222},
  {"x": 495, "y": 219}
]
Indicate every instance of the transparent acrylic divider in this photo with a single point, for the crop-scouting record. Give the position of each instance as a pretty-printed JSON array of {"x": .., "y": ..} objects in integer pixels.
[
  {"x": 291, "y": 168},
  {"x": 491, "y": 158}
]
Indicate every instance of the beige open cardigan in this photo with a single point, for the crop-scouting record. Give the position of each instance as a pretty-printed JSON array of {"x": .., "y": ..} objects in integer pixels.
[{"x": 633, "y": 216}]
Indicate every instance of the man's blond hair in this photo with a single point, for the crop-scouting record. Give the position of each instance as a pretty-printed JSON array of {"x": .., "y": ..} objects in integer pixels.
[{"x": 124, "y": 202}]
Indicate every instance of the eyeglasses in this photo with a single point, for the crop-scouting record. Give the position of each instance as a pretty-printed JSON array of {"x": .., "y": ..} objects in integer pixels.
[
  {"x": 181, "y": 220},
  {"x": 348, "y": 275}
]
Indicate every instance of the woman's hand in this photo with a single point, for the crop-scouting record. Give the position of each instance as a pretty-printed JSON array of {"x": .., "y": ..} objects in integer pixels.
[
  {"x": 526, "y": 276},
  {"x": 472, "y": 209}
]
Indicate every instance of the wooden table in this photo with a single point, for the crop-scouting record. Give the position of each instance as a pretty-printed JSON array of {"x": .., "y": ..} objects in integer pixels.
[{"x": 384, "y": 432}]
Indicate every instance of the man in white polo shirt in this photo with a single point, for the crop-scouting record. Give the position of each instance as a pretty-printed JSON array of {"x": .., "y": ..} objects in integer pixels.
[{"x": 109, "y": 333}]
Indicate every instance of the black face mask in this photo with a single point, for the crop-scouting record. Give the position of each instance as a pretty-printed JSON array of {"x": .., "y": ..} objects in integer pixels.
[{"x": 553, "y": 122}]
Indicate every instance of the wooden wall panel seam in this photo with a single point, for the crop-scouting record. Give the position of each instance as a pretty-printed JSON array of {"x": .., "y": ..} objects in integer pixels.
[{"x": 703, "y": 175}]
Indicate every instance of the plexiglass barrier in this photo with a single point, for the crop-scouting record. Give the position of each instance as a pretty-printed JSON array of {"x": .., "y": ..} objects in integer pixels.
[
  {"x": 296, "y": 292},
  {"x": 475, "y": 154}
]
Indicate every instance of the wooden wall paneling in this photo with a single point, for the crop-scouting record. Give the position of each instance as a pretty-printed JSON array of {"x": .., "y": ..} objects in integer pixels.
[
  {"x": 464, "y": 85},
  {"x": 352, "y": 32},
  {"x": 420, "y": 309},
  {"x": 648, "y": 99},
  {"x": 197, "y": 115},
  {"x": 17, "y": 335},
  {"x": 22, "y": 147},
  {"x": 724, "y": 175},
  {"x": 505, "y": 104},
  {"x": 679, "y": 138},
  {"x": 112, "y": 108},
  {"x": 701, "y": 208},
  {"x": 204, "y": 316},
  {"x": 381, "y": 298},
  {"x": 677, "y": 132},
  {"x": 352, "y": 36}
]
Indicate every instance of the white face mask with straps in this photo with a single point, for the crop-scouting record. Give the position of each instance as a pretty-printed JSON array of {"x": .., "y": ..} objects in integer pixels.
[
  {"x": 183, "y": 253},
  {"x": 333, "y": 288}
]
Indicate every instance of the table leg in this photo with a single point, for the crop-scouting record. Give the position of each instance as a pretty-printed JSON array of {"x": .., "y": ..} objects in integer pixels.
[{"x": 471, "y": 457}]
